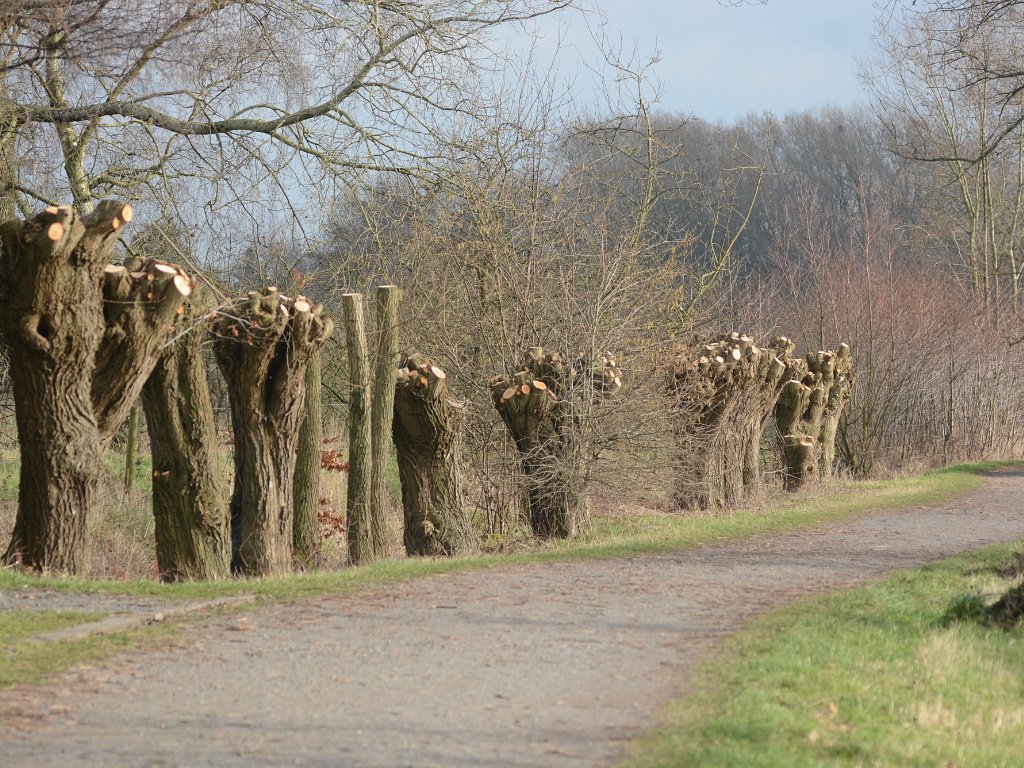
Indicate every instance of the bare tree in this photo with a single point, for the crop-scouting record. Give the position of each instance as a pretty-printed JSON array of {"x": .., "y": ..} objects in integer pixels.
[
  {"x": 941, "y": 87},
  {"x": 228, "y": 91}
]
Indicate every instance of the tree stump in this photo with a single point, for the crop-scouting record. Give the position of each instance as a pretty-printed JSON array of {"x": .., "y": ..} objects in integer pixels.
[
  {"x": 808, "y": 413},
  {"x": 429, "y": 445},
  {"x": 537, "y": 406},
  {"x": 724, "y": 391},
  {"x": 263, "y": 344},
  {"x": 51, "y": 316}
]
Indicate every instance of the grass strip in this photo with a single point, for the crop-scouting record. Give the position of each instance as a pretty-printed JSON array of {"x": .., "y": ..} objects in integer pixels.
[
  {"x": 25, "y": 660},
  {"x": 872, "y": 676}
]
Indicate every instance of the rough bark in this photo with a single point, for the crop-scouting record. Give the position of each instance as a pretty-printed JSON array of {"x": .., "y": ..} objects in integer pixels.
[
  {"x": 808, "y": 413},
  {"x": 142, "y": 303},
  {"x": 131, "y": 446},
  {"x": 263, "y": 345},
  {"x": 536, "y": 405},
  {"x": 51, "y": 314},
  {"x": 366, "y": 541},
  {"x": 382, "y": 411},
  {"x": 8, "y": 164},
  {"x": 835, "y": 409},
  {"x": 427, "y": 437},
  {"x": 305, "y": 535},
  {"x": 724, "y": 393},
  {"x": 190, "y": 508}
]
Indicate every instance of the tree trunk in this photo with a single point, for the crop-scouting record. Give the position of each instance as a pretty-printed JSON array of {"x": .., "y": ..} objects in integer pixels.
[
  {"x": 143, "y": 303},
  {"x": 835, "y": 407},
  {"x": 130, "y": 449},
  {"x": 51, "y": 314},
  {"x": 305, "y": 536},
  {"x": 365, "y": 542},
  {"x": 263, "y": 346},
  {"x": 429, "y": 445},
  {"x": 8, "y": 164},
  {"x": 388, "y": 297},
  {"x": 536, "y": 406},
  {"x": 808, "y": 413},
  {"x": 190, "y": 507}
]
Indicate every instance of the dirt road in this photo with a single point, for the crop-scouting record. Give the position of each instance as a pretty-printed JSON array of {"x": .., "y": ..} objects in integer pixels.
[{"x": 546, "y": 665}]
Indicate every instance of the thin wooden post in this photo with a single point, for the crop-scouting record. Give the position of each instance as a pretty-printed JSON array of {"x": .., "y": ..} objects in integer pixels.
[
  {"x": 385, "y": 374},
  {"x": 361, "y": 547},
  {"x": 305, "y": 538}
]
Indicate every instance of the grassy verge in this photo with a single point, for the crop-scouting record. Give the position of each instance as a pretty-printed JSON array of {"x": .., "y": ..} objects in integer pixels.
[
  {"x": 873, "y": 676},
  {"x": 27, "y": 660},
  {"x": 630, "y": 535}
]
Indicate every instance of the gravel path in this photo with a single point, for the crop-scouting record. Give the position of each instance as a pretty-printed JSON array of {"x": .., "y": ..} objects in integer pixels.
[{"x": 544, "y": 665}]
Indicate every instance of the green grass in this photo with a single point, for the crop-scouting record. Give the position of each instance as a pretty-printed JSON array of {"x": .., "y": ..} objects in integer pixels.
[
  {"x": 8, "y": 480},
  {"x": 25, "y": 660},
  {"x": 873, "y": 676}
]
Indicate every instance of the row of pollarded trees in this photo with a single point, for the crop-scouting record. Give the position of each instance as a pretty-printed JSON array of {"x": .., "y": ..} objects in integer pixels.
[
  {"x": 729, "y": 389},
  {"x": 725, "y": 392},
  {"x": 87, "y": 338}
]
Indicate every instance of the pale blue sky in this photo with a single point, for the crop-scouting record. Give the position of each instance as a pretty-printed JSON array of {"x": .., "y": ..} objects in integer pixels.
[{"x": 722, "y": 62}]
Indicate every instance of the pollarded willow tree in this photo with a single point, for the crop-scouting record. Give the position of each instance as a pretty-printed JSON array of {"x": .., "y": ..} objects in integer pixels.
[
  {"x": 263, "y": 345},
  {"x": 190, "y": 503},
  {"x": 809, "y": 409},
  {"x": 724, "y": 393},
  {"x": 427, "y": 434},
  {"x": 543, "y": 405},
  {"x": 83, "y": 337}
]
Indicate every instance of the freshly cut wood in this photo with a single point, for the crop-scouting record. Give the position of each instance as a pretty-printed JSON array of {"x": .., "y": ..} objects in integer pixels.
[{"x": 183, "y": 284}]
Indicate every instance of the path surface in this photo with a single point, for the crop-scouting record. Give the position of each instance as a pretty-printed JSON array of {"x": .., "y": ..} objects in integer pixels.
[{"x": 544, "y": 665}]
